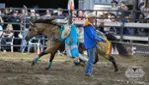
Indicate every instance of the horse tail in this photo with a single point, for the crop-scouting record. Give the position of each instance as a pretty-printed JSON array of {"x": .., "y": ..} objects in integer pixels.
[
  {"x": 120, "y": 47},
  {"x": 122, "y": 50}
]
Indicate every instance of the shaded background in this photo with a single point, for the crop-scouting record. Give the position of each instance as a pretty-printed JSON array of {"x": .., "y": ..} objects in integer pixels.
[{"x": 39, "y": 3}]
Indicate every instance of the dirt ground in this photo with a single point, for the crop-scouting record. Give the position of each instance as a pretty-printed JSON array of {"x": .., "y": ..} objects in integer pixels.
[{"x": 15, "y": 69}]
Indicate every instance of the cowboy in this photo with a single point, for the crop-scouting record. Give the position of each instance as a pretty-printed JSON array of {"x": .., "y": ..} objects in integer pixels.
[
  {"x": 70, "y": 37},
  {"x": 90, "y": 42}
]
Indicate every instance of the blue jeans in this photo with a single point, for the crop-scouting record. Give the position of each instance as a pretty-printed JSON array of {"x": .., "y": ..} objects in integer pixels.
[
  {"x": 91, "y": 59},
  {"x": 23, "y": 45},
  {"x": 24, "y": 42}
]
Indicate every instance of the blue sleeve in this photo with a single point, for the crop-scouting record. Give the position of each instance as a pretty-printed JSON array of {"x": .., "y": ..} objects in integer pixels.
[{"x": 92, "y": 34}]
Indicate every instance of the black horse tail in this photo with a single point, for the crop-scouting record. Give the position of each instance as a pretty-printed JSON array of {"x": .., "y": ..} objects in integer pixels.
[{"x": 120, "y": 47}]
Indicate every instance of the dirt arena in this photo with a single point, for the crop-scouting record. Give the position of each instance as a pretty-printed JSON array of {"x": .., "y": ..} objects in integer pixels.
[{"x": 15, "y": 69}]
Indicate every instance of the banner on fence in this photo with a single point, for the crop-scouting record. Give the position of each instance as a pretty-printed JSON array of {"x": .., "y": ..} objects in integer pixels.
[{"x": 134, "y": 49}]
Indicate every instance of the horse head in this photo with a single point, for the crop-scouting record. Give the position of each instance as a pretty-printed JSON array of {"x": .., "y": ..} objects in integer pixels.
[
  {"x": 32, "y": 31},
  {"x": 46, "y": 27}
]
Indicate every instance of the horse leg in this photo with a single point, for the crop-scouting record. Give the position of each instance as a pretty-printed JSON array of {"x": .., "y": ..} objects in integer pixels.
[
  {"x": 52, "y": 49},
  {"x": 38, "y": 57},
  {"x": 96, "y": 58},
  {"x": 112, "y": 59},
  {"x": 50, "y": 61}
]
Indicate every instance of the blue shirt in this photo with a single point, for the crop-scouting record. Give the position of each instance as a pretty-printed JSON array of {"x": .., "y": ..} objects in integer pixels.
[{"x": 90, "y": 37}]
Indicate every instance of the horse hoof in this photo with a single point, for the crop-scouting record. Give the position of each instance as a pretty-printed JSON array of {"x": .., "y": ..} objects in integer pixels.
[
  {"x": 47, "y": 68},
  {"x": 116, "y": 70},
  {"x": 32, "y": 64}
]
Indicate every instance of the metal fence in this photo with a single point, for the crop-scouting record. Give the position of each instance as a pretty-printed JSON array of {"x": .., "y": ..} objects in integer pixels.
[{"x": 120, "y": 25}]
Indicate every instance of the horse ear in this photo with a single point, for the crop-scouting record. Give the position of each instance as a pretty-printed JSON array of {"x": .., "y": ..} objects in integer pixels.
[{"x": 31, "y": 23}]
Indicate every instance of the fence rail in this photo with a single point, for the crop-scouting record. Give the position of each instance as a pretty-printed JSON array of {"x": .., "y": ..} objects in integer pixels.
[{"x": 120, "y": 25}]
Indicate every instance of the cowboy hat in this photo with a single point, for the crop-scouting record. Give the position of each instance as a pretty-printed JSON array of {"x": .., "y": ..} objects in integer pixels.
[{"x": 90, "y": 15}]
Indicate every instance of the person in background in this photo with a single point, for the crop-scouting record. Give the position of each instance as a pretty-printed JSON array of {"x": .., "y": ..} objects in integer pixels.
[
  {"x": 90, "y": 42},
  {"x": 7, "y": 36},
  {"x": 114, "y": 7},
  {"x": 60, "y": 13},
  {"x": 24, "y": 16},
  {"x": 33, "y": 15},
  {"x": 1, "y": 23},
  {"x": 47, "y": 15},
  {"x": 15, "y": 19},
  {"x": 6, "y": 14},
  {"x": 78, "y": 16},
  {"x": 123, "y": 12}
]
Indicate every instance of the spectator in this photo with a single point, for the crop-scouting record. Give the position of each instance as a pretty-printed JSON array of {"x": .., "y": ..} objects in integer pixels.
[
  {"x": 114, "y": 7},
  {"x": 141, "y": 18},
  {"x": 142, "y": 31},
  {"x": 6, "y": 13},
  {"x": 33, "y": 15},
  {"x": 142, "y": 6},
  {"x": 109, "y": 29},
  {"x": 24, "y": 16},
  {"x": 147, "y": 15},
  {"x": 17, "y": 12},
  {"x": 123, "y": 12},
  {"x": 47, "y": 15},
  {"x": 128, "y": 30},
  {"x": 1, "y": 23},
  {"x": 15, "y": 19},
  {"x": 74, "y": 16},
  {"x": 60, "y": 13},
  {"x": 7, "y": 36},
  {"x": 79, "y": 16}
]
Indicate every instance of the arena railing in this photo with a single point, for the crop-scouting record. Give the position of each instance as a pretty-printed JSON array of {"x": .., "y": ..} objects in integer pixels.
[{"x": 121, "y": 25}]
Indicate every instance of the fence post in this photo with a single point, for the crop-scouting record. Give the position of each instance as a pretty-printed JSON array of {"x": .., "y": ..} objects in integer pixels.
[
  {"x": 121, "y": 31},
  {"x": 96, "y": 18},
  {"x": 122, "y": 25},
  {"x": 148, "y": 37}
]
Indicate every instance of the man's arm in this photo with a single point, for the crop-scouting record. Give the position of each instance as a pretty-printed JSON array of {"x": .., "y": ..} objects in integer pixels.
[{"x": 93, "y": 35}]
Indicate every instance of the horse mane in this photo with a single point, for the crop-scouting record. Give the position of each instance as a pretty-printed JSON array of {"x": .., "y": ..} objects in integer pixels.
[{"x": 45, "y": 21}]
